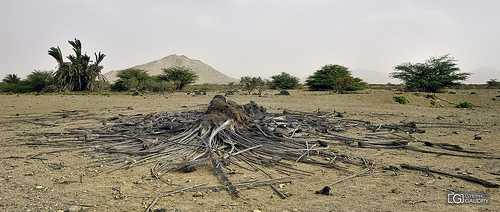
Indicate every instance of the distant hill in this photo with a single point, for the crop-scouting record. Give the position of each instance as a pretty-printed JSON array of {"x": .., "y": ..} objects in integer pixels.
[
  {"x": 483, "y": 74},
  {"x": 205, "y": 73}
]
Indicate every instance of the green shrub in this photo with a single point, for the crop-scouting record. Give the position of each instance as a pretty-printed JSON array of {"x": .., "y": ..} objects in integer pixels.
[
  {"x": 400, "y": 99},
  {"x": 50, "y": 89},
  {"x": 434, "y": 106},
  {"x": 465, "y": 104},
  {"x": 39, "y": 80},
  {"x": 493, "y": 83}
]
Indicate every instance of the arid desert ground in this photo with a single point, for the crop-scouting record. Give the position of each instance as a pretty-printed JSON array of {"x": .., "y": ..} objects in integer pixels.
[{"x": 63, "y": 181}]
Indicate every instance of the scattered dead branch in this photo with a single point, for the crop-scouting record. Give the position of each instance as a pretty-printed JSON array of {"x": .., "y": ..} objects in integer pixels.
[
  {"x": 463, "y": 177},
  {"x": 184, "y": 189},
  {"x": 151, "y": 205},
  {"x": 350, "y": 176}
]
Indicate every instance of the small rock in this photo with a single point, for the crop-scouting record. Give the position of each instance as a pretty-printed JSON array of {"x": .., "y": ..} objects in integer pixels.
[
  {"x": 74, "y": 208},
  {"x": 198, "y": 194},
  {"x": 426, "y": 183},
  {"x": 324, "y": 191},
  {"x": 39, "y": 187},
  {"x": 430, "y": 182}
]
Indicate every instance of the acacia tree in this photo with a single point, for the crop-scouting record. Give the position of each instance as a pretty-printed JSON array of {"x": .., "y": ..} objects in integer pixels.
[
  {"x": 131, "y": 78},
  {"x": 284, "y": 81},
  {"x": 39, "y": 80},
  {"x": 334, "y": 77},
  {"x": 493, "y": 83},
  {"x": 341, "y": 83},
  {"x": 80, "y": 73},
  {"x": 431, "y": 76},
  {"x": 252, "y": 83},
  {"x": 180, "y": 76}
]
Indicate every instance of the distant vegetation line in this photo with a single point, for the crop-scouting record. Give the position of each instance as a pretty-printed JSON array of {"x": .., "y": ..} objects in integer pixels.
[{"x": 82, "y": 74}]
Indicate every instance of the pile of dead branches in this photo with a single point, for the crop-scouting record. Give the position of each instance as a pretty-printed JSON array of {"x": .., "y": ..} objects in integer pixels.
[{"x": 243, "y": 137}]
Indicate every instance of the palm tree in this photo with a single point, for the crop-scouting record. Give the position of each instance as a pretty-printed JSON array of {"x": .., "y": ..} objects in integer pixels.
[
  {"x": 11, "y": 79},
  {"x": 81, "y": 72}
]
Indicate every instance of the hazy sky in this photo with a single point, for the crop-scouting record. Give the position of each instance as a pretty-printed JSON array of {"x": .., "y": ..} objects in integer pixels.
[{"x": 252, "y": 38}]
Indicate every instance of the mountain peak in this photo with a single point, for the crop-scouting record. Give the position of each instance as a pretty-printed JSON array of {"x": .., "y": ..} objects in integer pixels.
[{"x": 205, "y": 73}]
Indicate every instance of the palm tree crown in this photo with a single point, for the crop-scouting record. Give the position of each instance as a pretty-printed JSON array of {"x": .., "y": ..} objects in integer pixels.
[{"x": 81, "y": 72}]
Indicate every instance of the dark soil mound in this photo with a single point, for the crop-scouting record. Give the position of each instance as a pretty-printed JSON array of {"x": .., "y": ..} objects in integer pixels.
[{"x": 221, "y": 110}]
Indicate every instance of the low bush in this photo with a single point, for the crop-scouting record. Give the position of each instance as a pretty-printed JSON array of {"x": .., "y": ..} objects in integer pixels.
[
  {"x": 493, "y": 83},
  {"x": 435, "y": 106},
  {"x": 465, "y": 104},
  {"x": 400, "y": 99}
]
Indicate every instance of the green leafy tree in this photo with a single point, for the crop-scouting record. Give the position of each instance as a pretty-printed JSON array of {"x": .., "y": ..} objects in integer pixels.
[
  {"x": 358, "y": 85},
  {"x": 252, "y": 83},
  {"x": 334, "y": 77},
  {"x": 284, "y": 81},
  {"x": 80, "y": 73},
  {"x": 493, "y": 83},
  {"x": 39, "y": 80},
  {"x": 430, "y": 76},
  {"x": 155, "y": 84},
  {"x": 341, "y": 83},
  {"x": 180, "y": 76},
  {"x": 131, "y": 79},
  {"x": 11, "y": 78}
]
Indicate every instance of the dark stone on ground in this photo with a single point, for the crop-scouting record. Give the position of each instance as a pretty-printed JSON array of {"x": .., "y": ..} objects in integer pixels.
[{"x": 325, "y": 191}]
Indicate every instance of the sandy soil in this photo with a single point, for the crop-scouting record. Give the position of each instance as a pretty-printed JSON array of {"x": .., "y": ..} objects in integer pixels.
[{"x": 63, "y": 182}]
